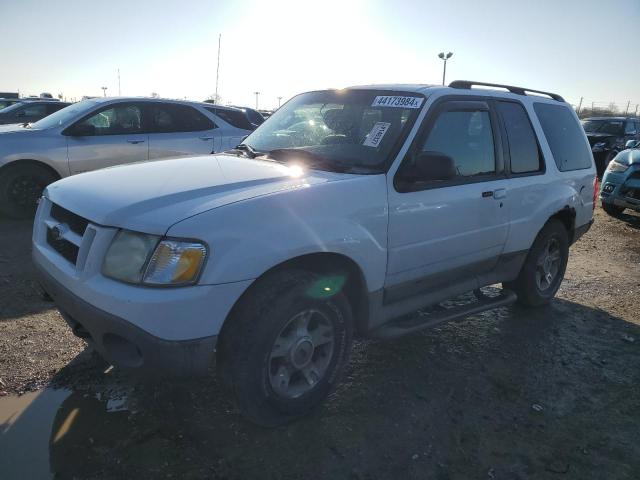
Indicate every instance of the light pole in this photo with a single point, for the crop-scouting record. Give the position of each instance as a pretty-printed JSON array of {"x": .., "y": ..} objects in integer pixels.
[
  {"x": 444, "y": 57},
  {"x": 279, "y": 101},
  {"x": 256, "y": 94},
  {"x": 104, "y": 91}
]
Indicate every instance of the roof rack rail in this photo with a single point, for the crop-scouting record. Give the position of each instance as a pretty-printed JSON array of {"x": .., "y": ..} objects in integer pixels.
[{"x": 467, "y": 84}]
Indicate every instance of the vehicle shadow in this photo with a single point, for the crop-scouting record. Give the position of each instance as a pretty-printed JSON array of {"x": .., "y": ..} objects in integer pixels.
[
  {"x": 510, "y": 393},
  {"x": 631, "y": 219},
  {"x": 20, "y": 294}
]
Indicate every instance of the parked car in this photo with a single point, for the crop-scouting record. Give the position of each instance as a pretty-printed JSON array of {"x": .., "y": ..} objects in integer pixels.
[
  {"x": 241, "y": 117},
  {"x": 608, "y": 135},
  {"x": 621, "y": 182},
  {"x": 101, "y": 133},
  {"x": 272, "y": 256},
  {"x": 30, "y": 111}
]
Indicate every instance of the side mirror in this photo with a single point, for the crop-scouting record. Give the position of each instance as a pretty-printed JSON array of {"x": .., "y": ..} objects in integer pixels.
[
  {"x": 434, "y": 166},
  {"x": 82, "y": 130},
  {"x": 632, "y": 144}
]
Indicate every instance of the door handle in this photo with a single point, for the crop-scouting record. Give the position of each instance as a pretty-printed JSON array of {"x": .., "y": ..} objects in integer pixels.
[
  {"x": 500, "y": 193},
  {"x": 497, "y": 194},
  {"x": 135, "y": 141},
  {"x": 206, "y": 138}
]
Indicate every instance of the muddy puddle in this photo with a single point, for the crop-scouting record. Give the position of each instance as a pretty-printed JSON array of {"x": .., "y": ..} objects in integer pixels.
[{"x": 40, "y": 432}]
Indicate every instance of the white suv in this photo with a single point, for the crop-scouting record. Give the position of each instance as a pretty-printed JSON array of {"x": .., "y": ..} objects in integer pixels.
[
  {"x": 344, "y": 211},
  {"x": 103, "y": 132}
]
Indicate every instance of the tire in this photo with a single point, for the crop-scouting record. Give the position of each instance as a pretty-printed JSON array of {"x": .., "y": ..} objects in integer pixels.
[
  {"x": 277, "y": 369},
  {"x": 20, "y": 188},
  {"x": 532, "y": 286},
  {"x": 612, "y": 210}
]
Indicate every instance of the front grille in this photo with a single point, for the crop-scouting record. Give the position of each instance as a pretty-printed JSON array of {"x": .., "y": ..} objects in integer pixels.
[
  {"x": 633, "y": 193},
  {"x": 76, "y": 223},
  {"x": 65, "y": 248}
]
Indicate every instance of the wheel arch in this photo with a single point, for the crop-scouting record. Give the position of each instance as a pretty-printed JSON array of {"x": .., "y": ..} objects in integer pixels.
[
  {"x": 28, "y": 161},
  {"x": 567, "y": 216},
  {"x": 354, "y": 287}
]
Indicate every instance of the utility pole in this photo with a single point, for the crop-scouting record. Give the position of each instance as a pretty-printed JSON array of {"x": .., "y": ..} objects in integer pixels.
[
  {"x": 119, "y": 90},
  {"x": 104, "y": 91},
  {"x": 445, "y": 58},
  {"x": 628, "y": 105},
  {"x": 580, "y": 105},
  {"x": 256, "y": 94},
  {"x": 592, "y": 109},
  {"x": 215, "y": 99},
  {"x": 636, "y": 112},
  {"x": 279, "y": 101}
]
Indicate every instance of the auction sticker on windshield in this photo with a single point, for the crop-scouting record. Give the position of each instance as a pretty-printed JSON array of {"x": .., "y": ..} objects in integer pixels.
[
  {"x": 376, "y": 134},
  {"x": 396, "y": 101}
]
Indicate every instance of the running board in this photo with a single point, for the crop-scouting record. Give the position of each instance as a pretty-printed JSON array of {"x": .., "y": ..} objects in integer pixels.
[{"x": 404, "y": 326}]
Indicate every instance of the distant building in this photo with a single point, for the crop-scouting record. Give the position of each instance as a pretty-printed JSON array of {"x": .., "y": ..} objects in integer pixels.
[{"x": 9, "y": 95}]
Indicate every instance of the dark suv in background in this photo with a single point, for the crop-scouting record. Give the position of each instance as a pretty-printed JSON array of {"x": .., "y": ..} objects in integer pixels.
[
  {"x": 30, "y": 111},
  {"x": 608, "y": 136}
]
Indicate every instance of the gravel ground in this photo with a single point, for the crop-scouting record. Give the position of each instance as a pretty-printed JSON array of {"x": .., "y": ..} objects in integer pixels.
[{"x": 507, "y": 394}]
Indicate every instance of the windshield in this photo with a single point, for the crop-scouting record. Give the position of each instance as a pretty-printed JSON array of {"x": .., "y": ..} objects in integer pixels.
[
  {"x": 351, "y": 128},
  {"x": 613, "y": 127},
  {"x": 65, "y": 115},
  {"x": 12, "y": 107},
  {"x": 6, "y": 103}
]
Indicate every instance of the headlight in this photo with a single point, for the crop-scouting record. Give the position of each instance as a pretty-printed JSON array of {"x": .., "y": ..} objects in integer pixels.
[
  {"x": 140, "y": 258},
  {"x": 617, "y": 167},
  {"x": 127, "y": 256}
]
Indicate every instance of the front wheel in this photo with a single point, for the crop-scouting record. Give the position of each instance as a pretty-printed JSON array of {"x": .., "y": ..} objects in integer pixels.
[
  {"x": 286, "y": 346},
  {"x": 20, "y": 188},
  {"x": 543, "y": 270}
]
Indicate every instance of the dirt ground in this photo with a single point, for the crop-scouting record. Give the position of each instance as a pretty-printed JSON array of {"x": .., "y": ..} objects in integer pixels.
[{"x": 507, "y": 394}]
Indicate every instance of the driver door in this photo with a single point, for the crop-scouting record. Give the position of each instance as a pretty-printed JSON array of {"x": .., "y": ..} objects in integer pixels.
[
  {"x": 443, "y": 233},
  {"x": 111, "y": 135}
]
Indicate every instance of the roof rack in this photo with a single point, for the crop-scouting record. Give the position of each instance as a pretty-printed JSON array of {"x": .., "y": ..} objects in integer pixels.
[{"x": 467, "y": 84}]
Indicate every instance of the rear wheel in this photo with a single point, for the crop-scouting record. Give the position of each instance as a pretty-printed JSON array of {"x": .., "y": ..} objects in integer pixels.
[
  {"x": 20, "y": 188},
  {"x": 612, "y": 210},
  {"x": 286, "y": 346},
  {"x": 543, "y": 270}
]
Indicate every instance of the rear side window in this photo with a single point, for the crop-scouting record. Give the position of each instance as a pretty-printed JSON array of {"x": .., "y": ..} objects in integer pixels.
[
  {"x": 565, "y": 137},
  {"x": 168, "y": 118},
  {"x": 523, "y": 146},
  {"x": 236, "y": 118}
]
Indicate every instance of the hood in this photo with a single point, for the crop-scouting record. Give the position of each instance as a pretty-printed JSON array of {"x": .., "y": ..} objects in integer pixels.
[
  {"x": 151, "y": 196},
  {"x": 629, "y": 157}
]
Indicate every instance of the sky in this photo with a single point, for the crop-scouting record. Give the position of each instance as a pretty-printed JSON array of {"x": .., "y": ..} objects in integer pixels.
[{"x": 577, "y": 48}]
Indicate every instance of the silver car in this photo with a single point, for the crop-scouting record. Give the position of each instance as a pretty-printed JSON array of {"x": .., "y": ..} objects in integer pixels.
[{"x": 103, "y": 132}]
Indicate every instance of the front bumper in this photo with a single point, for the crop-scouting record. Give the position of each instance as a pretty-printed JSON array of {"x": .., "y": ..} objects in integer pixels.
[
  {"x": 122, "y": 343},
  {"x": 621, "y": 189}
]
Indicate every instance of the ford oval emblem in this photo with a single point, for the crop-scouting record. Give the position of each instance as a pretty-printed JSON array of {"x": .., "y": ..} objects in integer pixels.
[{"x": 58, "y": 231}]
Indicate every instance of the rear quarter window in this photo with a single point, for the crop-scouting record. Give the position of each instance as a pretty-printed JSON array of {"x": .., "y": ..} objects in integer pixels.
[
  {"x": 235, "y": 118},
  {"x": 565, "y": 137}
]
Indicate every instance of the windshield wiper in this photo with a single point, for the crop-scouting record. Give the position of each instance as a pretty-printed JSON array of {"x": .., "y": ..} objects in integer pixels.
[
  {"x": 248, "y": 150},
  {"x": 310, "y": 159}
]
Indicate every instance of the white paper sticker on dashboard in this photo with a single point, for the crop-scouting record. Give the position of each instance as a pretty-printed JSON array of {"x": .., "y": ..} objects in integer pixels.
[
  {"x": 376, "y": 134},
  {"x": 396, "y": 101}
]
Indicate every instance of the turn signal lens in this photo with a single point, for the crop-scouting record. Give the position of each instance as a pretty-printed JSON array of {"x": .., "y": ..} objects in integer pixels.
[{"x": 175, "y": 263}]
